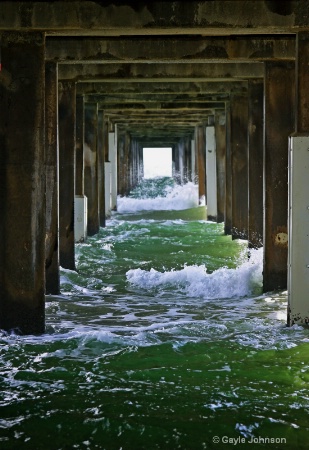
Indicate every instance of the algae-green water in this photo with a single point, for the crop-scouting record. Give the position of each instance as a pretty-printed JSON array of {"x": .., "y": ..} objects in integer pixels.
[{"x": 162, "y": 339}]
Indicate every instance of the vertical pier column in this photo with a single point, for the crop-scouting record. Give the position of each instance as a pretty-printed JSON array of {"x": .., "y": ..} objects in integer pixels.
[
  {"x": 187, "y": 159},
  {"x": 101, "y": 168},
  {"x": 193, "y": 161},
  {"x": 80, "y": 201},
  {"x": 228, "y": 175},
  {"x": 79, "y": 147},
  {"x": 22, "y": 182},
  {"x": 91, "y": 167},
  {"x": 200, "y": 141},
  {"x": 127, "y": 153},
  {"x": 279, "y": 92},
  {"x": 113, "y": 160},
  {"x": 52, "y": 262},
  {"x": 108, "y": 190},
  {"x": 180, "y": 156},
  {"x": 239, "y": 157},
  {"x": 211, "y": 170},
  {"x": 67, "y": 134},
  {"x": 298, "y": 249},
  {"x": 174, "y": 161},
  {"x": 255, "y": 145},
  {"x": 121, "y": 162},
  {"x": 123, "y": 154},
  {"x": 140, "y": 171},
  {"x": 220, "y": 135}
]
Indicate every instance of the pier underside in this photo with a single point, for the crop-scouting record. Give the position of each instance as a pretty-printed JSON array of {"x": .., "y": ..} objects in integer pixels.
[{"x": 85, "y": 86}]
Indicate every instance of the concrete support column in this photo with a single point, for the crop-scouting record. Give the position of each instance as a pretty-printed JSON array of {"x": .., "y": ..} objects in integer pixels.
[
  {"x": 255, "y": 145},
  {"x": 200, "y": 141},
  {"x": 220, "y": 136},
  {"x": 91, "y": 167},
  {"x": 67, "y": 135},
  {"x": 211, "y": 171},
  {"x": 101, "y": 168},
  {"x": 22, "y": 185},
  {"x": 113, "y": 160},
  {"x": 228, "y": 174},
  {"x": 52, "y": 262},
  {"x": 298, "y": 224},
  {"x": 239, "y": 155},
  {"x": 279, "y": 92}
]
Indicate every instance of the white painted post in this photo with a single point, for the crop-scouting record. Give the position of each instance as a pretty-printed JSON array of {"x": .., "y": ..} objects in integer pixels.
[
  {"x": 211, "y": 173},
  {"x": 112, "y": 156},
  {"x": 107, "y": 189},
  {"x": 298, "y": 231},
  {"x": 80, "y": 218}
]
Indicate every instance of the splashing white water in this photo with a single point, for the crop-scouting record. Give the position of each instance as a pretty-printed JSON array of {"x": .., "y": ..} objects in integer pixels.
[
  {"x": 177, "y": 198},
  {"x": 196, "y": 282}
]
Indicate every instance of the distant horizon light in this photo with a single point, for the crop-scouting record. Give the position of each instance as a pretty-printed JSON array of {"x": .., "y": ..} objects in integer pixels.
[{"x": 157, "y": 162}]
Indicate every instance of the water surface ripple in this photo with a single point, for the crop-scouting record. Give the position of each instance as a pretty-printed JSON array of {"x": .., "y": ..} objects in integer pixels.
[{"x": 162, "y": 339}]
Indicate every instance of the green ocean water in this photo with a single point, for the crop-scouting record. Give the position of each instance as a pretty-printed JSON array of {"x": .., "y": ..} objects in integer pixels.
[{"x": 162, "y": 339}]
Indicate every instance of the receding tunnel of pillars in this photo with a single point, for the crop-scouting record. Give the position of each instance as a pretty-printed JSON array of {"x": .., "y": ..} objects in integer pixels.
[
  {"x": 231, "y": 133},
  {"x": 209, "y": 137}
]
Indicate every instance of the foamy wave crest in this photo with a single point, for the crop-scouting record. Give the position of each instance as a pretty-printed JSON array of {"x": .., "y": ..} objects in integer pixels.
[
  {"x": 177, "y": 197},
  {"x": 196, "y": 282}
]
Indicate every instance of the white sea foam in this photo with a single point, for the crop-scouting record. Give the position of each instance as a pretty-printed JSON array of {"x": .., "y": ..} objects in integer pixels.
[
  {"x": 196, "y": 282},
  {"x": 177, "y": 198}
]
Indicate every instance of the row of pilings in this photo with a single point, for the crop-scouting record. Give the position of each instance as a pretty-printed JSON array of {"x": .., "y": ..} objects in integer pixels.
[{"x": 55, "y": 147}]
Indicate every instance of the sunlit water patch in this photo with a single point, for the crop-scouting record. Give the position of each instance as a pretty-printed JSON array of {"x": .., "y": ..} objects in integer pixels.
[{"x": 162, "y": 339}]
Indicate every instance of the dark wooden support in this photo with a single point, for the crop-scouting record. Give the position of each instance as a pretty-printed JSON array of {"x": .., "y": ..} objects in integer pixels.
[
  {"x": 79, "y": 154},
  {"x": 255, "y": 145},
  {"x": 173, "y": 160},
  {"x": 200, "y": 142},
  {"x": 121, "y": 162},
  {"x": 220, "y": 135},
  {"x": 176, "y": 161},
  {"x": 228, "y": 174},
  {"x": 135, "y": 162},
  {"x": 123, "y": 155},
  {"x": 22, "y": 183},
  {"x": 239, "y": 154},
  {"x": 141, "y": 162},
  {"x": 302, "y": 83},
  {"x": 128, "y": 162},
  {"x": 101, "y": 178},
  {"x": 67, "y": 133},
  {"x": 90, "y": 167},
  {"x": 187, "y": 159},
  {"x": 279, "y": 119},
  {"x": 52, "y": 262}
]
